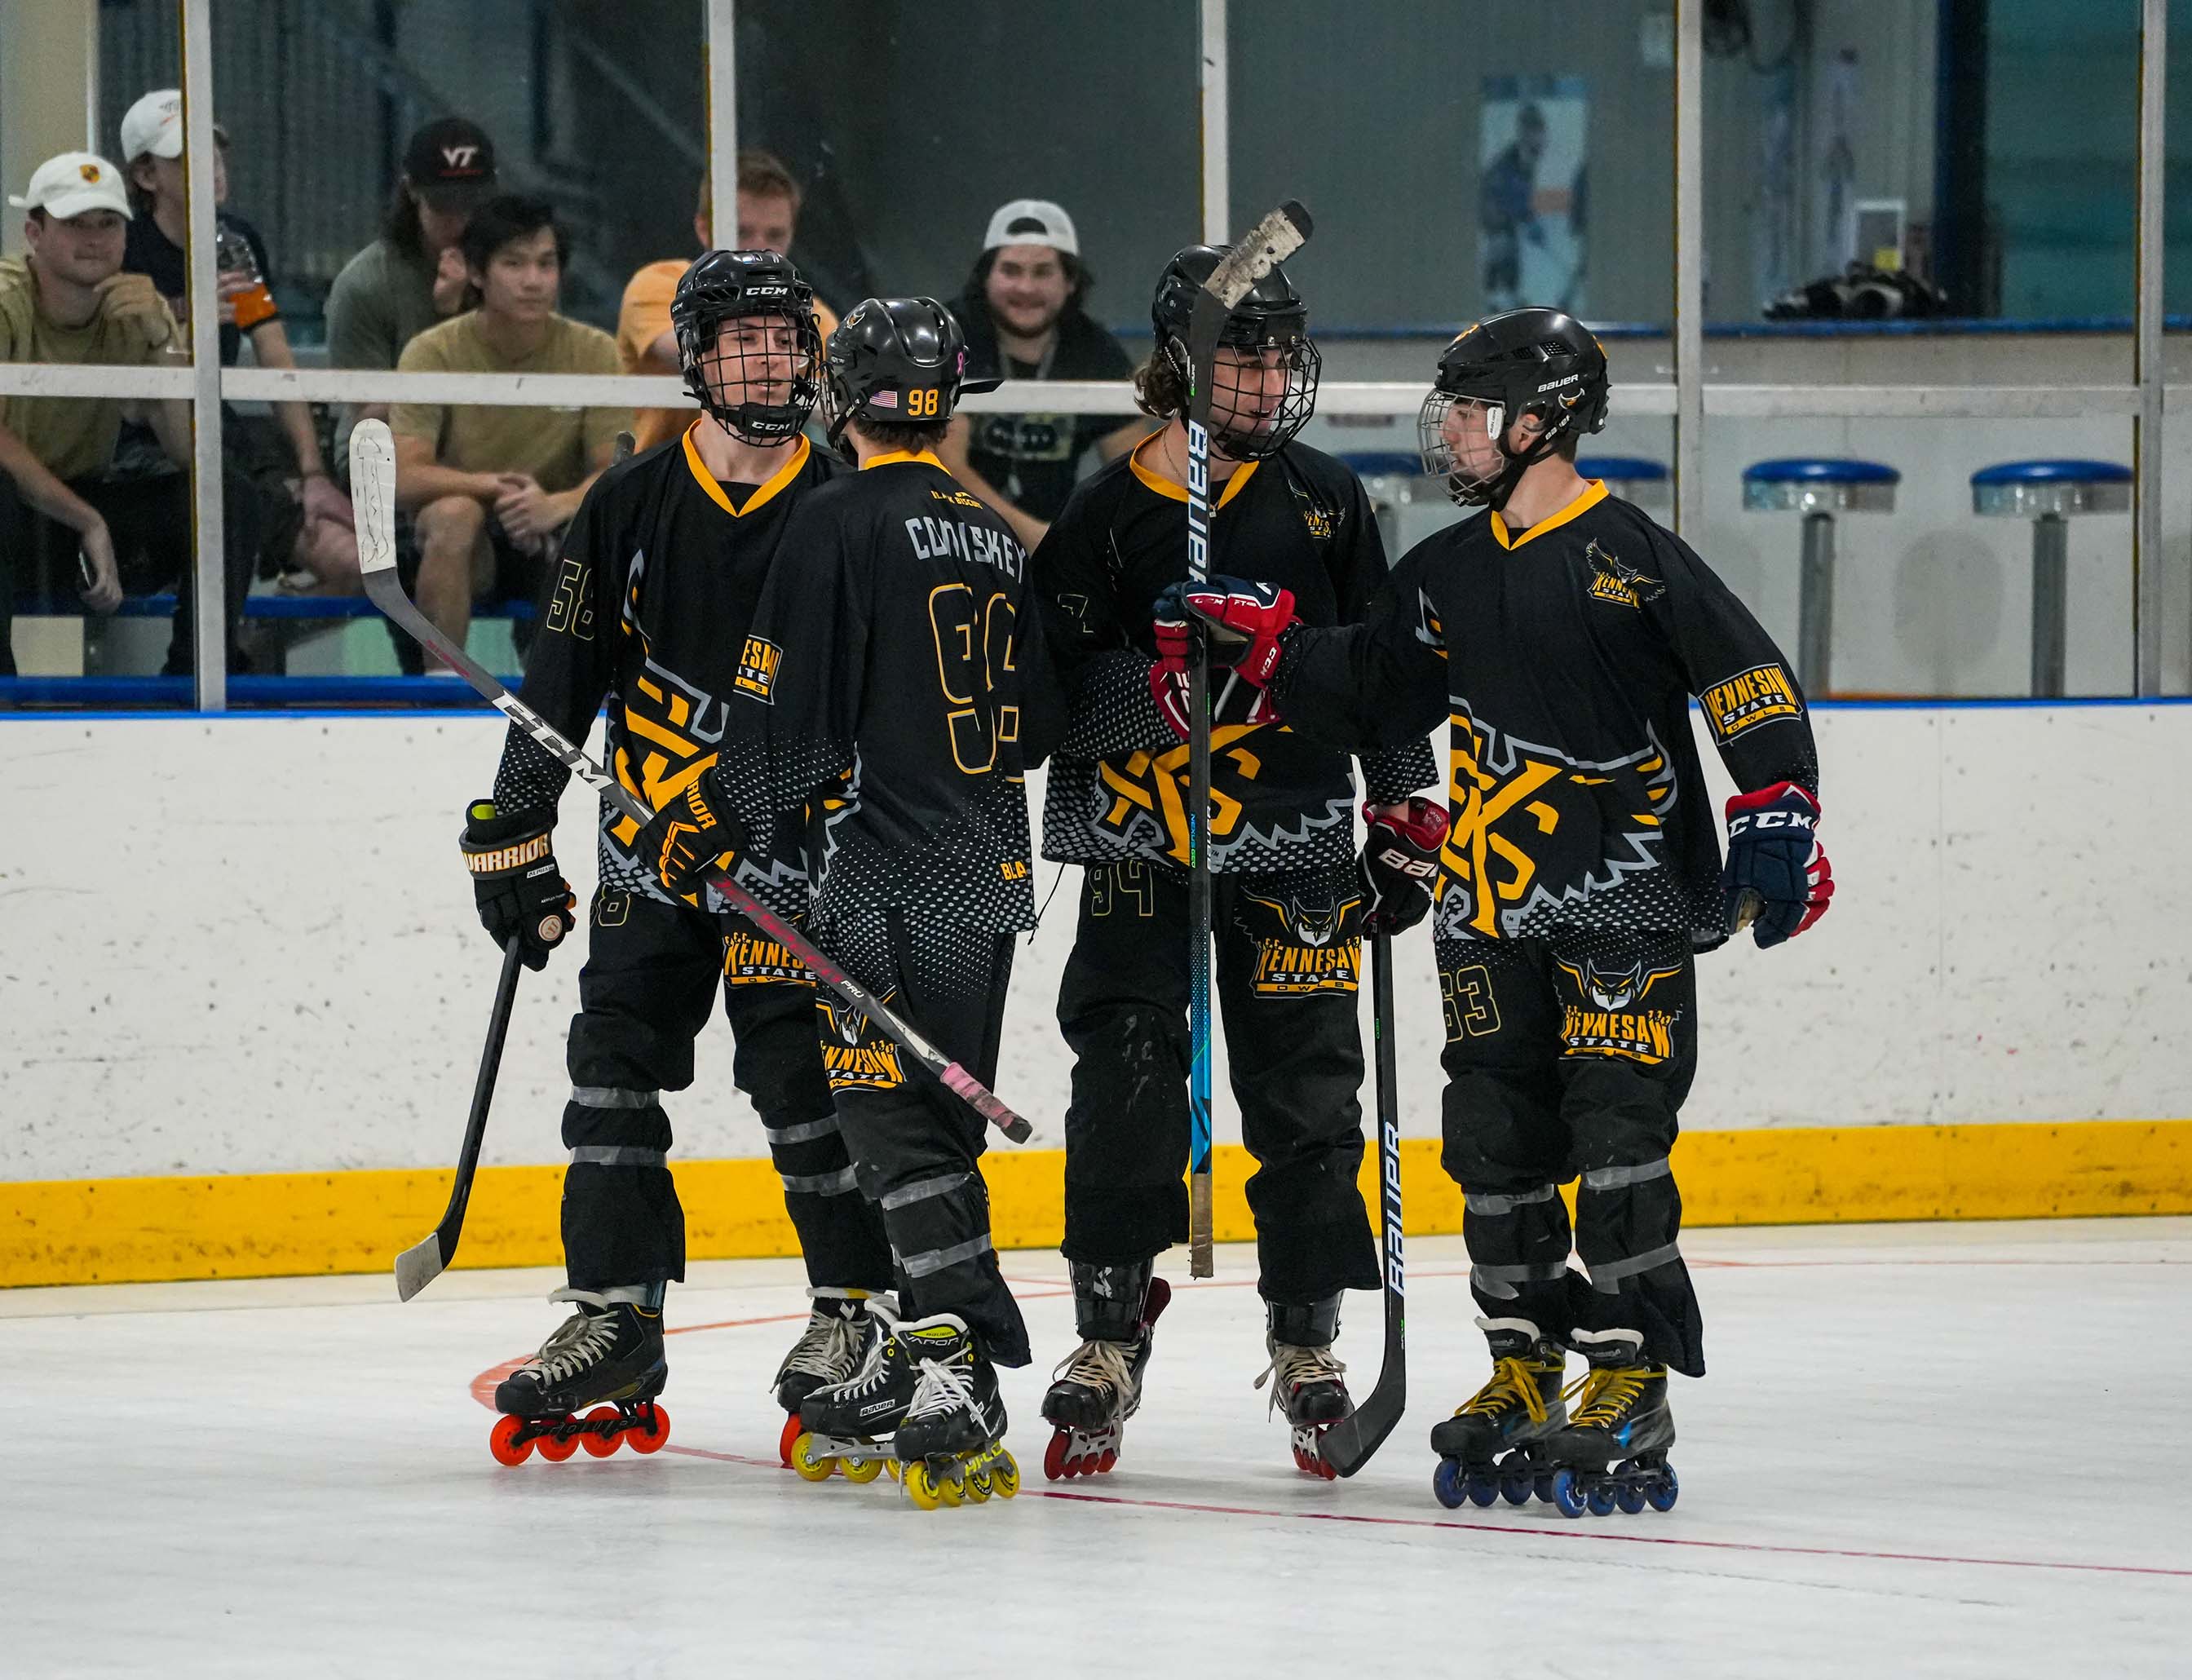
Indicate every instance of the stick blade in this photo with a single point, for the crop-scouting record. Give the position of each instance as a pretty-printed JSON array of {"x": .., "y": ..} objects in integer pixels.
[
  {"x": 418, "y": 1265},
  {"x": 1350, "y": 1443},
  {"x": 1269, "y": 242},
  {"x": 373, "y": 495}
]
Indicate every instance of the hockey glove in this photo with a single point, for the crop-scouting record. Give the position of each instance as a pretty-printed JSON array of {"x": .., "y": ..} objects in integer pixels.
[
  {"x": 1242, "y": 622},
  {"x": 691, "y": 836},
  {"x": 1400, "y": 864},
  {"x": 1776, "y": 882},
  {"x": 520, "y": 886}
]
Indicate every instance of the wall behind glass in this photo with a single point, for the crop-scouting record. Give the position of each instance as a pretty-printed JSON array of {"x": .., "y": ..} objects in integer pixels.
[{"x": 1462, "y": 159}]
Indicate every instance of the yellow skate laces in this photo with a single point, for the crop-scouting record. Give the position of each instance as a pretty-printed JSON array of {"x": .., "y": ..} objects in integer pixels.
[
  {"x": 1603, "y": 1395},
  {"x": 1512, "y": 1379}
]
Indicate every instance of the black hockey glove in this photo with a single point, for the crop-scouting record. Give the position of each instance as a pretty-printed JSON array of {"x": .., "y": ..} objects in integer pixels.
[
  {"x": 1778, "y": 881},
  {"x": 690, "y": 837},
  {"x": 1242, "y": 621},
  {"x": 1400, "y": 864},
  {"x": 520, "y": 887}
]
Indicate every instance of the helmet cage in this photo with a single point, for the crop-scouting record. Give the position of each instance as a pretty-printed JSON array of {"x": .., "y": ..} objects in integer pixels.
[
  {"x": 1249, "y": 422},
  {"x": 718, "y": 365},
  {"x": 1560, "y": 413}
]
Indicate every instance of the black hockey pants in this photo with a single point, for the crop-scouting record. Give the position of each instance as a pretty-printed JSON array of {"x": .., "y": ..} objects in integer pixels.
[
  {"x": 1286, "y": 967},
  {"x": 1569, "y": 1058},
  {"x": 647, "y": 991},
  {"x": 916, "y": 1147}
]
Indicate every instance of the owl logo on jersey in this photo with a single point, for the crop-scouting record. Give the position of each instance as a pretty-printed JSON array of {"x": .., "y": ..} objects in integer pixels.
[
  {"x": 1613, "y": 579},
  {"x": 1614, "y": 988},
  {"x": 1304, "y": 948},
  {"x": 1537, "y": 834}
]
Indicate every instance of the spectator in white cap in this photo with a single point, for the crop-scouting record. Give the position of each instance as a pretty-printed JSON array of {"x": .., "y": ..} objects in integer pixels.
[
  {"x": 1023, "y": 317},
  {"x": 306, "y": 519},
  {"x": 65, "y": 516}
]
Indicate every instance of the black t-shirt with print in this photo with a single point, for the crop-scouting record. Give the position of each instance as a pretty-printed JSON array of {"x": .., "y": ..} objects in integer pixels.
[{"x": 1033, "y": 459}]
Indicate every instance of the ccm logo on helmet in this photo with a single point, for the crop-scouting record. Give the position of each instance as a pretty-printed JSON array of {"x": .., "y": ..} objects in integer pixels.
[{"x": 768, "y": 291}]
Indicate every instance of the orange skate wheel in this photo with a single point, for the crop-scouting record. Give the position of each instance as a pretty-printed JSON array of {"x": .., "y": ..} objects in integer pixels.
[
  {"x": 598, "y": 1440},
  {"x": 791, "y": 1433},
  {"x": 502, "y": 1441},
  {"x": 653, "y": 1431},
  {"x": 555, "y": 1449}
]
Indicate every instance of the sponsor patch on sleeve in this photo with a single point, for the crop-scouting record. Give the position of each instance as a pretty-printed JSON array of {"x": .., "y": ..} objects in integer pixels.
[
  {"x": 1749, "y": 700},
  {"x": 757, "y": 666}
]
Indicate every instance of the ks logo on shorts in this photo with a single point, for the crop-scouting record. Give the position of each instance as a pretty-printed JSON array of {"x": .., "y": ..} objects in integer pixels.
[{"x": 1303, "y": 949}]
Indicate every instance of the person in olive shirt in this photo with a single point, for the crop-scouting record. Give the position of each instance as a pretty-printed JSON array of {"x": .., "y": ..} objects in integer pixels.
[
  {"x": 1023, "y": 318},
  {"x": 491, "y": 488}
]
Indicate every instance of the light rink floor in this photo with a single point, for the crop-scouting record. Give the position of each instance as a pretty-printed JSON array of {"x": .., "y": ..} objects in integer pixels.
[{"x": 1921, "y": 1450}]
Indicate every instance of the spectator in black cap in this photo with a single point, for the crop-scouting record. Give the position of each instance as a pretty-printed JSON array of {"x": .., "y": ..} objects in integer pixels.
[
  {"x": 413, "y": 275},
  {"x": 1023, "y": 317}
]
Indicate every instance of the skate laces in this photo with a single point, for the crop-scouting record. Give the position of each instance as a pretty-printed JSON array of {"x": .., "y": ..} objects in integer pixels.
[
  {"x": 829, "y": 1348},
  {"x": 943, "y": 1385},
  {"x": 875, "y": 1361},
  {"x": 1296, "y": 1367},
  {"x": 1512, "y": 1379},
  {"x": 582, "y": 1340},
  {"x": 1603, "y": 1393},
  {"x": 1099, "y": 1364}
]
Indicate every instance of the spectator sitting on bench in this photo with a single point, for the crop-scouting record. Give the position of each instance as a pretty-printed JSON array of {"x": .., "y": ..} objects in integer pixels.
[
  {"x": 62, "y": 503},
  {"x": 490, "y": 486},
  {"x": 307, "y": 521}
]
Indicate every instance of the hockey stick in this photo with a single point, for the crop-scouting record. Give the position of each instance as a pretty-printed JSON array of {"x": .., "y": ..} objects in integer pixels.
[
  {"x": 1269, "y": 242},
  {"x": 1347, "y": 1445},
  {"x": 373, "y": 492},
  {"x": 422, "y": 1263}
]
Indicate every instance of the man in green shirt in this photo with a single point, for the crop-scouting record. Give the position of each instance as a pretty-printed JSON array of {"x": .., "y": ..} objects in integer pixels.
[{"x": 491, "y": 488}]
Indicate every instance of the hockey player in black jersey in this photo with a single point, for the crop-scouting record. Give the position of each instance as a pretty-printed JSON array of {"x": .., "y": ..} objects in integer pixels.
[
  {"x": 1291, "y": 901},
  {"x": 890, "y": 695},
  {"x": 650, "y": 607},
  {"x": 1564, "y": 634}
]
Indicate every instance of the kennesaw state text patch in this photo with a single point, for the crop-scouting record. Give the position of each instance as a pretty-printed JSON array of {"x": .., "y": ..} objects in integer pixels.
[
  {"x": 757, "y": 666},
  {"x": 1749, "y": 699}
]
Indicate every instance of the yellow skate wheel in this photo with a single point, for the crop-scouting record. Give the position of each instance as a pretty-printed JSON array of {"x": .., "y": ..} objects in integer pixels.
[
  {"x": 804, "y": 1460},
  {"x": 1005, "y": 1475},
  {"x": 860, "y": 1469},
  {"x": 920, "y": 1487},
  {"x": 978, "y": 1484},
  {"x": 893, "y": 1469}
]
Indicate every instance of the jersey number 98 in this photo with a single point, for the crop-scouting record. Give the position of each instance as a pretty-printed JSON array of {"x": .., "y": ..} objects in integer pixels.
[{"x": 974, "y": 655}]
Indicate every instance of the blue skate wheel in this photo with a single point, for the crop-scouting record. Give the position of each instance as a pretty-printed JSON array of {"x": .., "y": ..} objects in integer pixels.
[
  {"x": 1601, "y": 1499},
  {"x": 1567, "y": 1494},
  {"x": 1515, "y": 1486},
  {"x": 1483, "y": 1490},
  {"x": 1629, "y": 1498},
  {"x": 1446, "y": 1483},
  {"x": 1665, "y": 1489},
  {"x": 1545, "y": 1488}
]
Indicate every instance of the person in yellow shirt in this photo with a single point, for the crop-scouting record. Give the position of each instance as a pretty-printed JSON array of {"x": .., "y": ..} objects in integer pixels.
[
  {"x": 768, "y": 217},
  {"x": 491, "y": 488}
]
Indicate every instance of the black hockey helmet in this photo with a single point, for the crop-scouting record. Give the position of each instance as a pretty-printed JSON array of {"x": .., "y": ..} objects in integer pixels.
[
  {"x": 734, "y": 285},
  {"x": 895, "y": 362},
  {"x": 1248, "y": 422},
  {"x": 1540, "y": 362}
]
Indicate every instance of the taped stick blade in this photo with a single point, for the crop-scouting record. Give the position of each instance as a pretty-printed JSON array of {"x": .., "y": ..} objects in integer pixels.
[
  {"x": 373, "y": 495},
  {"x": 1269, "y": 242}
]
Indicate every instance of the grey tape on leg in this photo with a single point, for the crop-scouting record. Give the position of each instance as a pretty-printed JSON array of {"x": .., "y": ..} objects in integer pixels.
[
  {"x": 935, "y": 1260},
  {"x": 1499, "y": 1281},
  {"x": 821, "y": 1184},
  {"x": 921, "y": 1189},
  {"x": 1507, "y": 1204},
  {"x": 610, "y": 1096},
  {"x": 617, "y": 1155},
  {"x": 1619, "y": 1177},
  {"x": 805, "y": 1132},
  {"x": 1607, "y": 1273}
]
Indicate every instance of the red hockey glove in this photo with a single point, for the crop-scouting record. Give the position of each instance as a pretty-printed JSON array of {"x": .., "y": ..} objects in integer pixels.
[
  {"x": 1242, "y": 622},
  {"x": 1400, "y": 864},
  {"x": 1778, "y": 881},
  {"x": 690, "y": 836}
]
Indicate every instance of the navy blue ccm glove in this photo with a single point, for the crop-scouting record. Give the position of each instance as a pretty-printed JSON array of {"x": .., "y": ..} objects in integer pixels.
[
  {"x": 690, "y": 836},
  {"x": 519, "y": 886},
  {"x": 1778, "y": 881}
]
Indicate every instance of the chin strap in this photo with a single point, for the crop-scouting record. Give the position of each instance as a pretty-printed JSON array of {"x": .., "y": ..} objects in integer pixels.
[{"x": 1494, "y": 495}]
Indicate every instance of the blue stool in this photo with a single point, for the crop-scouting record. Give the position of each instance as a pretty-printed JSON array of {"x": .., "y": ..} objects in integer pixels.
[
  {"x": 2048, "y": 493},
  {"x": 1389, "y": 478},
  {"x": 1632, "y": 478},
  {"x": 1818, "y": 488}
]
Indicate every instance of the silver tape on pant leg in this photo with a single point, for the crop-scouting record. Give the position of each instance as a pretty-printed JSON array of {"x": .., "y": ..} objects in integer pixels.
[
  {"x": 1620, "y": 1178},
  {"x": 805, "y": 1132},
  {"x": 1507, "y": 1204},
  {"x": 1499, "y": 1282},
  {"x": 922, "y": 1189},
  {"x": 1607, "y": 1274},
  {"x": 617, "y": 1155},
  {"x": 821, "y": 1184},
  {"x": 610, "y": 1096},
  {"x": 935, "y": 1260}
]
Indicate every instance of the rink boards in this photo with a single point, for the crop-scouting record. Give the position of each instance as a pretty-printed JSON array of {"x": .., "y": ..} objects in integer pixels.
[{"x": 241, "y": 991}]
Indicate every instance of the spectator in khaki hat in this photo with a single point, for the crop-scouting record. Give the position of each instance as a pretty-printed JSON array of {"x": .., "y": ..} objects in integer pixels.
[
  {"x": 768, "y": 219},
  {"x": 1023, "y": 317},
  {"x": 61, "y": 506}
]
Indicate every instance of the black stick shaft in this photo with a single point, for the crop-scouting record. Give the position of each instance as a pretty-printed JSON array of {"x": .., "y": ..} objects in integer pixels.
[{"x": 498, "y": 1029}]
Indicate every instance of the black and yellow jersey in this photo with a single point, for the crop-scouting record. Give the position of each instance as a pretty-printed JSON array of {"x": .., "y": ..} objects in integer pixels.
[
  {"x": 1564, "y": 657},
  {"x": 889, "y": 698},
  {"x": 648, "y": 604},
  {"x": 1117, "y": 788}
]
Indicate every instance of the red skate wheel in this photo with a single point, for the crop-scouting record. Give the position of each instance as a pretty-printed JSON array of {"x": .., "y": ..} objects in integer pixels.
[
  {"x": 791, "y": 1431},
  {"x": 602, "y": 1434},
  {"x": 1053, "y": 1456},
  {"x": 502, "y": 1441},
  {"x": 654, "y": 1429},
  {"x": 556, "y": 1447},
  {"x": 1110, "y": 1457}
]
